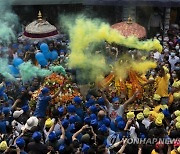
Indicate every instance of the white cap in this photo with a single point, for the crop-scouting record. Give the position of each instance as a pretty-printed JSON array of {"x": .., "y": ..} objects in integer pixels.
[
  {"x": 31, "y": 122},
  {"x": 17, "y": 114}
]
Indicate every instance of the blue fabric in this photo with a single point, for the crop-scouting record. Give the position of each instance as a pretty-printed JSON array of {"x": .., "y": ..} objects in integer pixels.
[
  {"x": 3, "y": 127},
  {"x": 41, "y": 106},
  {"x": 80, "y": 112},
  {"x": 113, "y": 127}
]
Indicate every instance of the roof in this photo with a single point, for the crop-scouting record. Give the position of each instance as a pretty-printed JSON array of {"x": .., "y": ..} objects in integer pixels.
[{"x": 162, "y": 3}]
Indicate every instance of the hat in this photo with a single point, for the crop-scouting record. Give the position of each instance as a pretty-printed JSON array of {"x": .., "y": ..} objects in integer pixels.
[
  {"x": 166, "y": 69},
  {"x": 72, "y": 119},
  {"x": 6, "y": 110},
  {"x": 52, "y": 136},
  {"x": 17, "y": 114},
  {"x": 87, "y": 120},
  {"x": 48, "y": 123},
  {"x": 94, "y": 122},
  {"x": 106, "y": 121},
  {"x": 93, "y": 108},
  {"x": 61, "y": 110},
  {"x": 93, "y": 116},
  {"x": 176, "y": 143},
  {"x": 61, "y": 148},
  {"x": 130, "y": 115},
  {"x": 77, "y": 100},
  {"x": 31, "y": 122},
  {"x": 71, "y": 108},
  {"x": 178, "y": 125},
  {"x": 160, "y": 115},
  {"x": 118, "y": 118},
  {"x": 85, "y": 138},
  {"x": 146, "y": 112},
  {"x": 3, "y": 146},
  {"x": 164, "y": 107},
  {"x": 121, "y": 124},
  {"x": 158, "y": 122},
  {"x": 45, "y": 90},
  {"x": 115, "y": 99},
  {"x": 153, "y": 113},
  {"x": 37, "y": 136},
  {"x": 85, "y": 148},
  {"x": 176, "y": 84},
  {"x": 20, "y": 142},
  {"x": 65, "y": 123},
  {"x": 178, "y": 149},
  {"x": 101, "y": 101},
  {"x": 176, "y": 95},
  {"x": 178, "y": 119},
  {"x": 142, "y": 136},
  {"x": 25, "y": 108},
  {"x": 103, "y": 129},
  {"x": 140, "y": 116},
  {"x": 157, "y": 97},
  {"x": 177, "y": 113}
]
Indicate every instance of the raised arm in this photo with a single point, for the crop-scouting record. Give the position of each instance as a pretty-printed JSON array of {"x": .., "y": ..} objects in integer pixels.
[
  {"x": 78, "y": 132},
  {"x": 130, "y": 99}
]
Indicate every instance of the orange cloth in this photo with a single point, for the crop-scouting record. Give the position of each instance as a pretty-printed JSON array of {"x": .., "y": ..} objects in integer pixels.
[{"x": 162, "y": 85}]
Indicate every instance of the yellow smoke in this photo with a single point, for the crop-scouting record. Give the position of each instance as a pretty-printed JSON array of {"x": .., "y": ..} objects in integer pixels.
[{"x": 85, "y": 31}]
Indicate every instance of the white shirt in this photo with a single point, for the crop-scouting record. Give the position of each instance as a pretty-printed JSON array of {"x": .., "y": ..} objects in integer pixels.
[
  {"x": 173, "y": 61},
  {"x": 157, "y": 55},
  {"x": 114, "y": 113},
  {"x": 146, "y": 122}
]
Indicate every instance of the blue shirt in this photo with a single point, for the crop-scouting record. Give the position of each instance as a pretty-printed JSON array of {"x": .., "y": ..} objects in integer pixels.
[
  {"x": 3, "y": 127},
  {"x": 41, "y": 106}
]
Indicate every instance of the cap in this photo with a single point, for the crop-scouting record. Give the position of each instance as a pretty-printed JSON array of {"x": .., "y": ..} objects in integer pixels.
[
  {"x": 71, "y": 108},
  {"x": 65, "y": 123},
  {"x": 106, "y": 121},
  {"x": 20, "y": 142},
  {"x": 118, "y": 118},
  {"x": 87, "y": 120},
  {"x": 48, "y": 123},
  {"x": 115, "y": 99},
  {"x": 177, "y": 113},
  {"x": 3, "y": 146},
  {"x": 17, "y": 114},
  {"x": 178, "y": 119},
  {"x": 178, "y": 125},
  {"x": 140, "y": 116},
  {"x": 6, "y": 110},
  {"x": 101, "y": 101},
  {"x": 121, "y": 124},
  {"x": 93, "y": 108},
  {"x": 85, "y": 148},
  {"x": 164, "y": 107},
  {"x": 45, "y": 90},
  {"x": 103, "y": 129},
  {"x": 94, "y": 122},
  {"x": 52, "y": 136},
  {"x": 130, "y": 115},
  {"x": 72, "y": 119},
  {"x": 61, "y": 148},
  {"x": 157, "y": 97},
  {"x": 37, "y": 136},
  {"x": 77, "y": 100},
  {"x": 160, "y": 115},
  {"x": 61, "y": 110},
  {"x": 93, "y": 116},
  {"x": 146, "y": 112},
  {"x": 158, "y": 121},
  {"x": 31, "y": 122}
]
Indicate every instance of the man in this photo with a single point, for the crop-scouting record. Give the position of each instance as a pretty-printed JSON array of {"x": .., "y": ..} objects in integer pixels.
[
  {"x": 173, "y": 59},
  {"x": 114, "y": 108},
  {"x": 43, "y": 102}
]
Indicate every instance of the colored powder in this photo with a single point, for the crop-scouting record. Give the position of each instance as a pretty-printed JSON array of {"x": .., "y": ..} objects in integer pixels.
[
  {"x": 28, "y": 71},
  {"x": 58, "y": 69}
]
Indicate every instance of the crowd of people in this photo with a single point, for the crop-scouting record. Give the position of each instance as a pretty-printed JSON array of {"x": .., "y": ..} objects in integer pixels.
[{"x": 98, "y": 123}]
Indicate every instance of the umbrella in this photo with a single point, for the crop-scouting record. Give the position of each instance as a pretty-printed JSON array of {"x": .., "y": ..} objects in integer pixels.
[{"x": 129, "y": 28}]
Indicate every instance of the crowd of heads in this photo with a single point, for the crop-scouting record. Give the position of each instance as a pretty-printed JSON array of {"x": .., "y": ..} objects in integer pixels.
[{"x": 98, "y": 122}]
